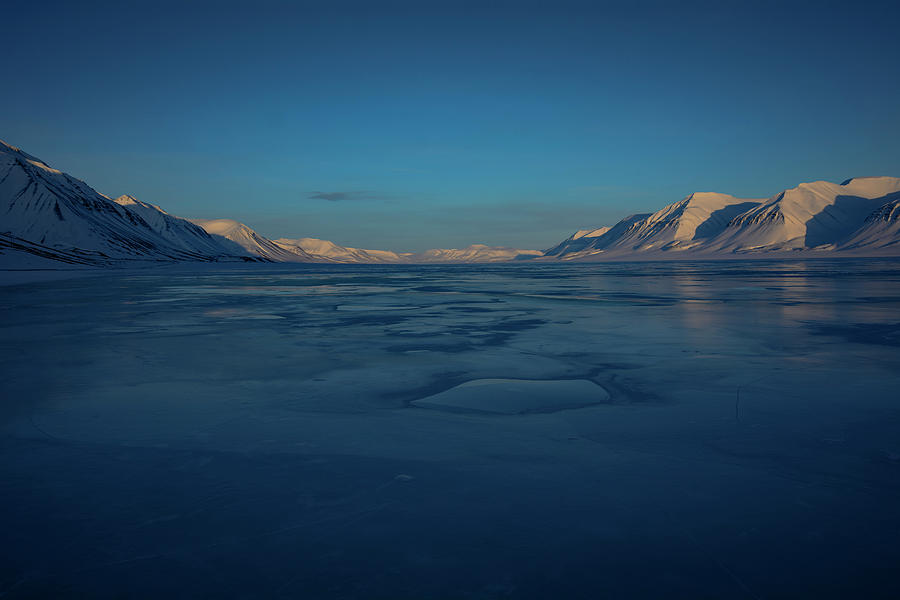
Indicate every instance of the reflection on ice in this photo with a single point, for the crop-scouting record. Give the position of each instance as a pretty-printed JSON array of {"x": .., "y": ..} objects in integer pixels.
[{"x": 516, "y": 396}]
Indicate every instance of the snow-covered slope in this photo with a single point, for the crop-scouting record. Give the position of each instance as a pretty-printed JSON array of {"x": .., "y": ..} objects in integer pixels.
[
  {"x": 58, "y": 215},
  {"x": 589, "y": 233},
  {"x": 16, "y": 253},
  {"x": 681, "y": 226},
  {"x": 576, "y": 242},
  {"x": 881, "y": 230},
  {"x": 621, "y": 230},
  {"x": 689, "y": 222},
  {"x": 252, "y": 242},
  {"x": 179, "y": 232}
]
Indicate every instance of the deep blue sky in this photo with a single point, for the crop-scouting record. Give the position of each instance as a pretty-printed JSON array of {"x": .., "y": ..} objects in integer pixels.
[{"x": 426, "y": 124}]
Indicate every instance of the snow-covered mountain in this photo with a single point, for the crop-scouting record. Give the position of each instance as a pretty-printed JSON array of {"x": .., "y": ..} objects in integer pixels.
[
  {"x": 818, "y": 216},
  {"x": 811, "y": 215},
  {"x": 47, "y": 212},
  {"x": 252, "y": 242}
]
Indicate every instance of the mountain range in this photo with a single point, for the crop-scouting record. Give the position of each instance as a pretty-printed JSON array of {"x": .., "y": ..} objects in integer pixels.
[
  {"x": 48, "y": 215},
  {"x": 858, "y": 216}
]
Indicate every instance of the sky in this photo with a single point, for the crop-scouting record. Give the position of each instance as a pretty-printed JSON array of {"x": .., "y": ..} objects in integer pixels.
[{"x": 408, "y": 126}]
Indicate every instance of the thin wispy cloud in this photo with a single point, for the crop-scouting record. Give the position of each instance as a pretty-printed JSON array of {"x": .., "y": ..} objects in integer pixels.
[{"x": 344, "y": 196}]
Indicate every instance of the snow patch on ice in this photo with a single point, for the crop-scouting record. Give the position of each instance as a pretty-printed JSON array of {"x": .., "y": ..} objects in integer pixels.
[{"x": 516, "y": 396}]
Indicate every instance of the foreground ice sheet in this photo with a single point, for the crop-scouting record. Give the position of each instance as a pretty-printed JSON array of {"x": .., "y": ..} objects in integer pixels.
[{"x": 718, "y": 430}]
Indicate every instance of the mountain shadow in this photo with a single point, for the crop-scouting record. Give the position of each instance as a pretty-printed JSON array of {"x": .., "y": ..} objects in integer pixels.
[
  {"x": 839, "y": 220},
  {"x": 718, "y": 220}
]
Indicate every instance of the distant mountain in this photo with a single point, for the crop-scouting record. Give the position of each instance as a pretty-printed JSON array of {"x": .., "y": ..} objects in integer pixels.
[
  {"x": 475, "y": 253},
  {"x": 340, "y": 254},
  {"x": 252, "y": 242},
  {"x": 46, "y": 212},
  {"x": 816, "y": 217}
]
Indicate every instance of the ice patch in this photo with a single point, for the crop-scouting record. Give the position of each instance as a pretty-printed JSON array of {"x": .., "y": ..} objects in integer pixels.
[
  {"x": 237, "y": 314},
  {"x": 373, "y": 307},
  {"x": 516, "y": 396}
]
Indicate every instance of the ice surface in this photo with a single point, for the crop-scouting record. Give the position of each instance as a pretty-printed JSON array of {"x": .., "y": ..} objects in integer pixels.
[{"x": 257, "y": 431}]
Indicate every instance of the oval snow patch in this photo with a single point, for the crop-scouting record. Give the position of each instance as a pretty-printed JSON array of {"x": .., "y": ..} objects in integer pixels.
[{"x": 516, "y": 396}]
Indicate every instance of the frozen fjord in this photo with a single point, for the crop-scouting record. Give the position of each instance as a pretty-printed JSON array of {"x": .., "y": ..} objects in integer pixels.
[{"x": 260, "y": 431}]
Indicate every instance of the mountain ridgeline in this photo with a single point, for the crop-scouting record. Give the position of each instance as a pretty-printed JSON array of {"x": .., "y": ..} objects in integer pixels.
[
  {"x": 48, "y": 215},
  {"x": 858, "y": 216}
]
